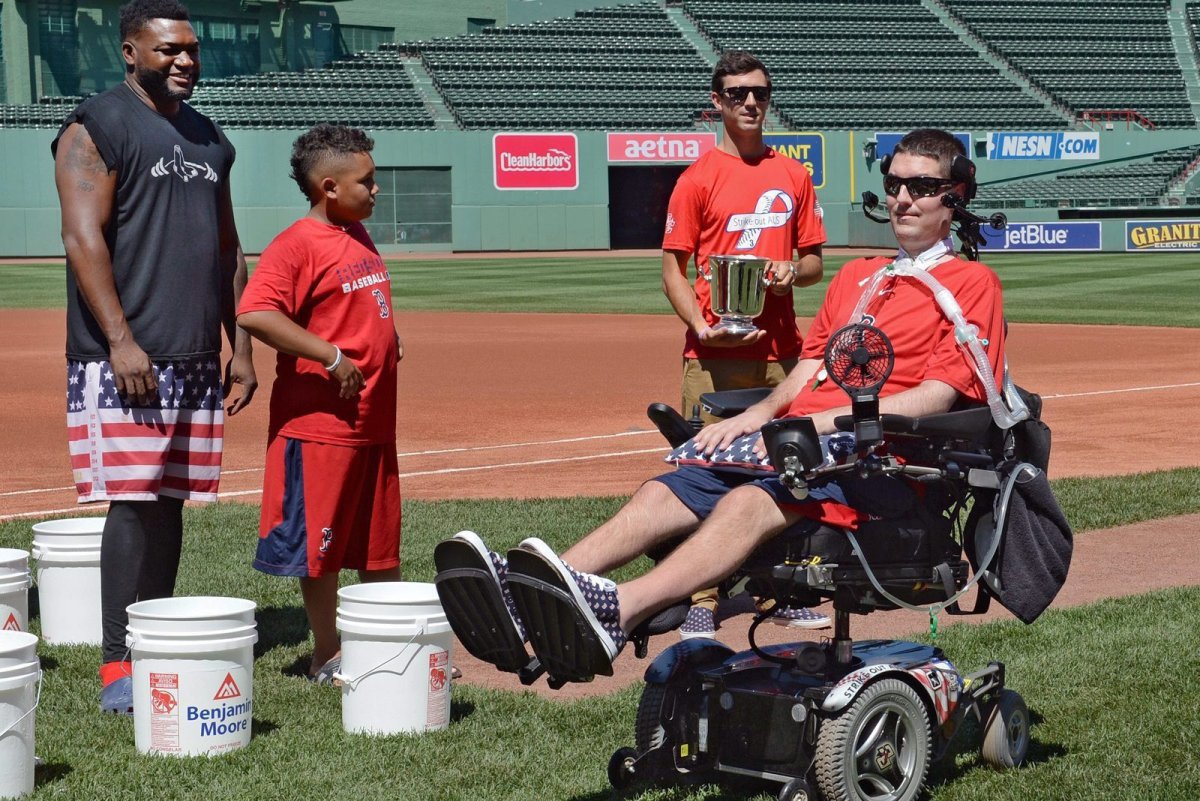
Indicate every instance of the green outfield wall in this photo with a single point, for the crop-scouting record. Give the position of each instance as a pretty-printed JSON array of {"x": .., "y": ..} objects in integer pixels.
[{"x": 441, "y": 193}]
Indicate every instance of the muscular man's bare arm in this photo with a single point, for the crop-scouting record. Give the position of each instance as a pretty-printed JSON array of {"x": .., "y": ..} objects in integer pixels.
[{"x": 87, "y": 192}]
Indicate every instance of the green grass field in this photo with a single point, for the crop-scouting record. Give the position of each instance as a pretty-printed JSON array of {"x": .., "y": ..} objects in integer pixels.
[
  {"x": 1110, "y": 685},
  {"x": 1114, "y": 288}
]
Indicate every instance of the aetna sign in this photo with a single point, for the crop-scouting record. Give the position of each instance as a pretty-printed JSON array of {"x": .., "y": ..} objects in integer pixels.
[
  {"x": 659, "y": 147},
  {"x": 535, "y": 161}
]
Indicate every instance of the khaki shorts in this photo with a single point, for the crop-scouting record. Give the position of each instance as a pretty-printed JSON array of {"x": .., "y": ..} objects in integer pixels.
[{"x": 711, "y": 375}]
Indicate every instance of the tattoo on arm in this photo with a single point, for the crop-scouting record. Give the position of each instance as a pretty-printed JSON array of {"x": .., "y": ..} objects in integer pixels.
[{"x": 83, "y": 161}]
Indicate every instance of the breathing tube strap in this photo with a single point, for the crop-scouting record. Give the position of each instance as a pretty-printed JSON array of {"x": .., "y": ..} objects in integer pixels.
[{"x": 1007, "y": 409}]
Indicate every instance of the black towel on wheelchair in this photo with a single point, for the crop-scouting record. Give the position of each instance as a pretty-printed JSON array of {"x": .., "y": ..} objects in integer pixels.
[{"x": 1035, "y": 549}]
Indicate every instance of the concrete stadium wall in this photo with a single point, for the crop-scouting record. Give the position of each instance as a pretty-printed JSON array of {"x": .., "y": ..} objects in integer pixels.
[{"x": 487, "y": 219}]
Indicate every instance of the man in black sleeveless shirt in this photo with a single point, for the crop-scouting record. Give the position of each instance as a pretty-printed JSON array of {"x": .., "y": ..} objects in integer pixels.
[{"x": 155, "y": 272}]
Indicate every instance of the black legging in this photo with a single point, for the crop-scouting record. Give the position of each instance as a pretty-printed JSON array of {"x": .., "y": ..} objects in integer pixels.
[{"x": 139, "y": 558}]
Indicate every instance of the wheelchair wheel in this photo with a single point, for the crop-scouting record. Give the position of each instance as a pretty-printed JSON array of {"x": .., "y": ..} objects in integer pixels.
[
  {"x": 797, "y": 790},
  {"x": 878, "y": 748},
  {"x": 620, "y": 768},
  {"x": 648, "y": 729},
  {"x": 1005, "y": 731}
]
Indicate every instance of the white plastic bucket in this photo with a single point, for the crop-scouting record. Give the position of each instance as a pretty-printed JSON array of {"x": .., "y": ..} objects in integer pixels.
[
  {"x": 395, "y": 658},
  {"x": 14, "y": 589},
  {"x": 20, "y": 687},
  {"x": 68, "y": 578},
  {"x": 193, "y": 674}
]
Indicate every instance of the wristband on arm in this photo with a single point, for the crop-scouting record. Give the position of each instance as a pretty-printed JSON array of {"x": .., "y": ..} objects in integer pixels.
[{"x": 337, "y": 360}]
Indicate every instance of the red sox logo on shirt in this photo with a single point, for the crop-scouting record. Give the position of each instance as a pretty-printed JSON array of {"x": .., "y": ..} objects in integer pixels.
[
  {"x": 765, "y": 216},
  {"x": 384, "y": 311},
  {"x": 326, "y": 539}
]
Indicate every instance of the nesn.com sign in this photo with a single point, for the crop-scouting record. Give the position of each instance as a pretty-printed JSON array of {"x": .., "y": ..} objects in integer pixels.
[{"x": 1050, "y": 146}]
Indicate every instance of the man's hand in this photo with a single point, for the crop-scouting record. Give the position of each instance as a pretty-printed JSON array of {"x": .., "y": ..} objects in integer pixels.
[
  {"x": 349, "y": 377},
  {"x": 783, "y": 275},
  {"x": 719, "y": 435},
  {"x": 133, "y": 373},
  {"x": 722, "y": 338},
  {"x": 240, "y": 370}
]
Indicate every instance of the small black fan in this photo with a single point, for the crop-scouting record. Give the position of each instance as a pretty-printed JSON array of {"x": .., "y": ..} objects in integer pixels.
[{"x": 859, "y": 358}]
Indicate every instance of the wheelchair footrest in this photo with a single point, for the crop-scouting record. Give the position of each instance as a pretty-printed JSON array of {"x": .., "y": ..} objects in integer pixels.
[
  {"x": 564, "y": 641},
  {"x": 476, "y": 610}
]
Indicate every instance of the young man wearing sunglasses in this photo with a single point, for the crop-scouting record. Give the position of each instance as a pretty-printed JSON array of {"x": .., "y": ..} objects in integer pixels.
[
  {"x": 724, "y": 516},
  {"x": 741, "y": 198}
]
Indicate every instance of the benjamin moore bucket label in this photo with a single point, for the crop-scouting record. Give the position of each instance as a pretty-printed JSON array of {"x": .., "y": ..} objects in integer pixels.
[
  {"x": 200, "y": 712},
  {"x": 438, "y": 709}
]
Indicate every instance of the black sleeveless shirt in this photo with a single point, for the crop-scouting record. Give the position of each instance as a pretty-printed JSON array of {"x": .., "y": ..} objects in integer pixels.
[{"x": 163, "y": 234}]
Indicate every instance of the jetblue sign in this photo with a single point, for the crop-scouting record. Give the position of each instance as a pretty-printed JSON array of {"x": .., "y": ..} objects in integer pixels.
[
  {"x": 1032, "y": 236},
  {"x": 1052, "y": 146}
]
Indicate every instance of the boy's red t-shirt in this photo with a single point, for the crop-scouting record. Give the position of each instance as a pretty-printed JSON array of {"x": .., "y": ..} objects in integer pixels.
[
  {"x": 724, "y": 205},
  {"x": 331, "y": 281}
]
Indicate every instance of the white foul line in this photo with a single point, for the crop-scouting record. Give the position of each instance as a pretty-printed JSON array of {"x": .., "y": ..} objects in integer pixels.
[
  {"x": 449, "y": 470},
  {"x": 402, "y": 455},
  {"x": 1119, "y": 391},
  {"x": 442, "y": 471}
]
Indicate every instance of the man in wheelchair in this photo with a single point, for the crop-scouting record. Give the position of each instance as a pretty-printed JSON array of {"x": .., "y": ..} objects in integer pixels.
[{"x": 577, "y": 622}]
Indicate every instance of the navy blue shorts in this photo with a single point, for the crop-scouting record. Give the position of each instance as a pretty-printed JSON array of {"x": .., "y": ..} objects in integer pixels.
[
  {"x": 700, "y": 488},
  {"x": 882, "y": 496}
]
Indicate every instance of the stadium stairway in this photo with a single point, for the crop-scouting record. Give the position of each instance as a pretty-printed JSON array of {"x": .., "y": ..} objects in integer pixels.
[
  {"x": 692, "y": 34},
  {"x": 952, "y": 21},
  {"x": 704, "y": 46},
  {"x": 1177, "y": 19},
  {"x": 443, "y": 118}
]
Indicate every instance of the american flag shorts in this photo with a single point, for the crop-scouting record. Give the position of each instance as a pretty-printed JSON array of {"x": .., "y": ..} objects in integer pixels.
[{"x": 169, "y": 447}]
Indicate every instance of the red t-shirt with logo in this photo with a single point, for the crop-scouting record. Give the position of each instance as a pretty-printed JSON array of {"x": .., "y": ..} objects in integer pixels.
[
  {"x": 725, "y": 205},
  {"x": 921, "y": 335},
  {"x": 331, "y": 281}
]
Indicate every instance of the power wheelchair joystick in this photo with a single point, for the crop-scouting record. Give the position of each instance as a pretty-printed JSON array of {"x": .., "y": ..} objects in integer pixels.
[{"x": 795, "y": 450}]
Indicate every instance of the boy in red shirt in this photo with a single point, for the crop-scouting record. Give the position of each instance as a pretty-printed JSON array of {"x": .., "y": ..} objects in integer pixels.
[{"x": 321, "y": 296}]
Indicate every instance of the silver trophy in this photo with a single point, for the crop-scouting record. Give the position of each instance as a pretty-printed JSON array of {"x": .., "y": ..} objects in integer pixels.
[{"x": 739, "y": 290}]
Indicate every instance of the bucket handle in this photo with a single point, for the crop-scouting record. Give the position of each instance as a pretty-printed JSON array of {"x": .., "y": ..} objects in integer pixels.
[
  {"x": 352, "y": 681},
  {"x": 36, "y": 702}
]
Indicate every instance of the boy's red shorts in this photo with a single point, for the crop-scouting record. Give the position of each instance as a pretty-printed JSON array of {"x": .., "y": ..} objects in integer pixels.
[{"x": 328, "y": 507}]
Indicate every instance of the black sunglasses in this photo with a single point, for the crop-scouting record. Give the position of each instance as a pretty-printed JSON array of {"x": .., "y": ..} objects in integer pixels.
[
  {"x": 737, "y": 94},
  {"x": 917, "y": 186}
]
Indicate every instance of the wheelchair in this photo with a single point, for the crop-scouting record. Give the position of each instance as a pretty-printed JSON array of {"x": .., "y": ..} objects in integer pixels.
[{"x": 840, "y": 719}]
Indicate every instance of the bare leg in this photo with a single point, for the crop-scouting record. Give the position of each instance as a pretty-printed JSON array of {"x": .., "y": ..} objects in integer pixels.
[
  {"x": 653, "y": 515},
  {"x": 320, "y": 604},
  {"x": 387, "y": 574},
  {"x": 743, "y": 519}
]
